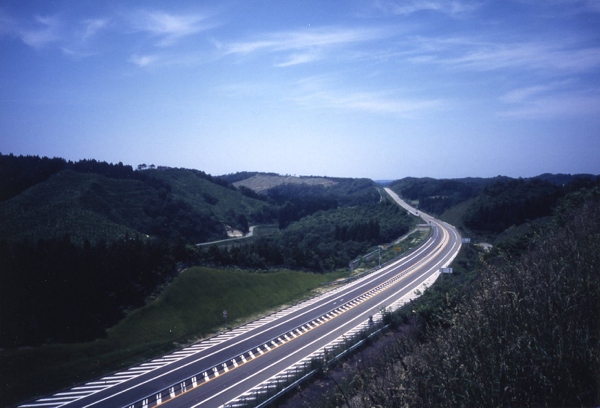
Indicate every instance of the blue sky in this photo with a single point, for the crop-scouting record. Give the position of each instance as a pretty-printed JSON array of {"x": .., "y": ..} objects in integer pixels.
[{"x": 376, "y": 88}]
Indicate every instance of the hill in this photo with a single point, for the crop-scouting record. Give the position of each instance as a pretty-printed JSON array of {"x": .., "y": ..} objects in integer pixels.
[
  {"x": 90, "y": 200},
  {"x": 492, "y": 205},
  {"x": 224, "y": 202},
  {"x": 84, "y": 206}
]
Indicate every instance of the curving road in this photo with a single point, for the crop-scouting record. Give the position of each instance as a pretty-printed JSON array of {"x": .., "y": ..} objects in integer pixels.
[{"x": 218, "y": 370}]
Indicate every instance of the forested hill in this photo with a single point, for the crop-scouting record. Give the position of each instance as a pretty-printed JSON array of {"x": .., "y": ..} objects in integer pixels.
[
  {"x": 93, "y": 200},
  {"x": 345, "y": 191},
  {"x": 492, "y": 205}
]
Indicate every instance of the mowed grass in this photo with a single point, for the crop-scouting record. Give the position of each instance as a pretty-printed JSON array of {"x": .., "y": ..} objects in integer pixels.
[{"x": 188, "y": 309}]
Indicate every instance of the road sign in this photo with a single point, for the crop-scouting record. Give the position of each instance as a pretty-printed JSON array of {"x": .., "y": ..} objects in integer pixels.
[
  {"x": 225, "y": 313},
  {"x": 446, "y": 270},
  {"x": 466, "y": 240},
  {"x": 397, "y": 248}
]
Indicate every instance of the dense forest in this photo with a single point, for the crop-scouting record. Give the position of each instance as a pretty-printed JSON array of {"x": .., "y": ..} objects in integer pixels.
[
  {"x": 437, "y": 195},
  {"x": 323, "y": 241},
  {"x": 57, "y": 291},
  {"x": 494, "y": 204},
  {"x": 506, "y": 203}
]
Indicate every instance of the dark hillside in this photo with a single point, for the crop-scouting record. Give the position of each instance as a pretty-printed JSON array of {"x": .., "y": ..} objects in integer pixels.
[
  {"x": 437, "y": 195},
  {"x": 94, "y": 207},
  {"x": 225, "y": 204},
  {"x": 94, "y": 200},
  {"x": 84, "y": 206},
  {"x": 564, "y": 178},
  {"x": 504, "y": 204}
]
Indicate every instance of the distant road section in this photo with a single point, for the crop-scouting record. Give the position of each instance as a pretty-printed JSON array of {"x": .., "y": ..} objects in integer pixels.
[{"x": 224, "y": 368}]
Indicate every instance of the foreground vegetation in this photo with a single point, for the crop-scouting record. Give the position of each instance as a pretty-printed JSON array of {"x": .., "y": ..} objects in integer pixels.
[
  {"x": 522, "y": 331},
  {"x": 189, "y": 308}
]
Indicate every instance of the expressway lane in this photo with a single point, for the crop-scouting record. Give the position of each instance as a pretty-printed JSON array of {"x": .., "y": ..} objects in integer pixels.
[{"x": 247, "y": 356}]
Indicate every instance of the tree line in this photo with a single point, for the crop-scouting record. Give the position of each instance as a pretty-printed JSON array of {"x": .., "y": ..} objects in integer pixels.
[
  {"x": 58, "y": 291},
  {"x": 320, "y": 242},
  {"x": 513, "y": 202}
]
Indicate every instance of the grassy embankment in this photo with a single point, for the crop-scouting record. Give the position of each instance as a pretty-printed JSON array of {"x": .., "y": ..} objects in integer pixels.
[{"x": 189, "y": 309}]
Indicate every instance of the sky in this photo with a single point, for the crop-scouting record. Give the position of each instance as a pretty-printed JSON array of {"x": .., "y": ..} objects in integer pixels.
[{"x": 382, "y": 89}]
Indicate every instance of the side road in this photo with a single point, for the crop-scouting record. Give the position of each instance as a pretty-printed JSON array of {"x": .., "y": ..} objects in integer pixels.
[{"x": 248, "y": 235}]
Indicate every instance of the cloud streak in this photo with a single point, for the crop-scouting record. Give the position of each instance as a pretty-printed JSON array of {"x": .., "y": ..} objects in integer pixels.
[
  {"x": 540, "y": 56},
  {"x": 452, "y": 8},
  {"x": 305, "y": 45},
  {"x": 370, "y": 102},
  {"x": 556, "y": 99},
  {"x": 168, "y": 28}
]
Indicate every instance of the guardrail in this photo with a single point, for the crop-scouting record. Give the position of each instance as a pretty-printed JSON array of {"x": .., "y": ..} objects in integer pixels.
[
  {"x": 305, "y": 369},
  {"x": 383, "y": 265}
]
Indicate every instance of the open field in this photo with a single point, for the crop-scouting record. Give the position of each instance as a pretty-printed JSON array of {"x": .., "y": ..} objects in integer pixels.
[{"x": 263, "y": 182}]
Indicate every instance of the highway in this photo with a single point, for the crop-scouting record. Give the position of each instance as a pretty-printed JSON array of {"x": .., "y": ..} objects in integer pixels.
[{"x": 218, "y": 370}]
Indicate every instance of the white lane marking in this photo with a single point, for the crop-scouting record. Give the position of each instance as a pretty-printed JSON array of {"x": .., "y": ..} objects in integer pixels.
[
  {"x": 107, "y": 382},
  {"x": 57, "y": 399},
  {"x": 74, "y": 392}
]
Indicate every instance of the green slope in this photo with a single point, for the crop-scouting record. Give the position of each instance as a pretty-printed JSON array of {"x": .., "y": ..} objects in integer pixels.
[
  {"x": 206, "y": 196},
  {"x": 94, "y": 207},
  {"x": 82, "y": 205},
  {"x": 188, "y": 309}
]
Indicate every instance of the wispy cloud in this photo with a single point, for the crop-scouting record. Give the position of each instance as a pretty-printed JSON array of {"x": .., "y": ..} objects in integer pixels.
[
  {"x": 169, "y": 28},
  {"x": 313, "y": 93},
  {"x": 405, "y": 7},
  {"x": 564, "y": 57},
  {"x": 144, "y": 60},
  {"x": 557, "y": 99},
  {"x": 299, "y": 58},
  {"x": 42, "y": 31},
  {"x": 304, "y": 45},
  {"x": 72, "y": 38},
  {"x": 556, "y": 106},
  {"x": 91, "y": 27},
  {"x": 570, "y": 7}
]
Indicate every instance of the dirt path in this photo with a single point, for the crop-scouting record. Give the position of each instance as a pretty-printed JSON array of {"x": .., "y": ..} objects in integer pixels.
[{"x": 248, "y": 235}]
